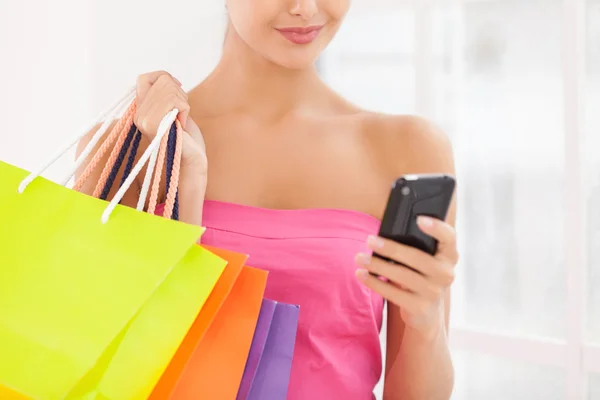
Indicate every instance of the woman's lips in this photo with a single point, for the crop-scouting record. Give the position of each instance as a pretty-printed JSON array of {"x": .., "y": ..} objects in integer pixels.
[{"x": 301, "y": 35}]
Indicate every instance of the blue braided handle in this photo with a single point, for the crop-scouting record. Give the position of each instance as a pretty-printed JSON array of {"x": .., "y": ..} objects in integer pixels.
[
  {"x": 119, "y": 161},
  {"x": 131, "y": 159},
  {"x": 171, "y": 147}
]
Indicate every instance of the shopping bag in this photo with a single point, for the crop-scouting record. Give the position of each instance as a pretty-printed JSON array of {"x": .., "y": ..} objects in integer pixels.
[
  {"x": 155, "y": 334},
  {"x": 190, "y": 345},
  {"x": 80, "y": 283},
  {"x": 216, "y": 368},
  {"x": 272, "y": 378},
  {"x": 258, "y": 345},
  {"x": 70, "y": 284}
]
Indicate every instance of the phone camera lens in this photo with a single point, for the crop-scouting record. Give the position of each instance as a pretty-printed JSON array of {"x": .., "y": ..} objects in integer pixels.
[{"x": 406, "y": 191}]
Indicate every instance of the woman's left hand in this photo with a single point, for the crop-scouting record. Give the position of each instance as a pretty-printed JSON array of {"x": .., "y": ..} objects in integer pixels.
[{"x": 419, "y": 295}]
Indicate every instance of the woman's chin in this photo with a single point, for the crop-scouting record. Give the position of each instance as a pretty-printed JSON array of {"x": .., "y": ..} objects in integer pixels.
[{"x": 293, "y": 61}]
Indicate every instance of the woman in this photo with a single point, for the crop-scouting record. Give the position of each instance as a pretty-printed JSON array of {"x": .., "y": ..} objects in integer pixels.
[{"x": 277, "y": 165}]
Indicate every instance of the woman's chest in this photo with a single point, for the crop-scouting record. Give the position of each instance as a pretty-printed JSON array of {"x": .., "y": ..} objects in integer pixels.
[{"x": 293, "y": 169}]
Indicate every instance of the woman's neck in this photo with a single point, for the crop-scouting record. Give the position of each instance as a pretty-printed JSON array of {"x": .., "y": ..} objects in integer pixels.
[{"x": 244, "y": 81}]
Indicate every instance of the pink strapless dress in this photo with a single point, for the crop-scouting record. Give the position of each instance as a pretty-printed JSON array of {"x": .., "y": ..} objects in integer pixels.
[{"x": 309, "y": 254}]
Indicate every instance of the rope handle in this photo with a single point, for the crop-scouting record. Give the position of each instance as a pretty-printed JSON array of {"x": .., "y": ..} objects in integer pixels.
[
  {"x": 125, "y": 135},
  {"x": 163, "y": 146},
  {"x": 158, "y": 175},
  {"x": 116, "y": 156},
  {"x": 118, "y": 135},
  {"x": 106, "y": 117},
  {"x": 125, "y": 107},
  {"x": 133, "y": 135},
  {"x": 169, "y": 149},
  {"x": 163, "y": 128},
  {"x": 174, "y": 150}
]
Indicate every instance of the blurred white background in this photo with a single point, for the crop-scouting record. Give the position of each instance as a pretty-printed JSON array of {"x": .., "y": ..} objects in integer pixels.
[{"x": 515, "y": 83}]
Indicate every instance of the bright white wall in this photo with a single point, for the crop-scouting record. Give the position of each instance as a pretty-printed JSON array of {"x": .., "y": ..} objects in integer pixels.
[
  {"x": 45, "y": 71},
  {"x": 63, "y": 61},
  {"x": 181, "y": 36}
]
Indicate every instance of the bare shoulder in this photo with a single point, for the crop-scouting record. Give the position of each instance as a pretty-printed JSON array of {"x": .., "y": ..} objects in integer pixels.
[{"x": 408, "y": 143}]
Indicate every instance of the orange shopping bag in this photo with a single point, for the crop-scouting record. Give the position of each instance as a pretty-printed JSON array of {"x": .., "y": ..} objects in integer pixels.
[
  {"x": 190, "y": 345},
  {"x": 216, "y": 368}
]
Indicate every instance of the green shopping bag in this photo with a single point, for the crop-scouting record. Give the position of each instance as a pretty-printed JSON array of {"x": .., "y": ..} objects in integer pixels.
[{"x": 95, "y": 298}]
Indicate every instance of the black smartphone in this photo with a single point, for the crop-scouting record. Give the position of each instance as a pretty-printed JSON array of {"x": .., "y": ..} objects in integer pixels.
[{"x": 411, "y": 196}]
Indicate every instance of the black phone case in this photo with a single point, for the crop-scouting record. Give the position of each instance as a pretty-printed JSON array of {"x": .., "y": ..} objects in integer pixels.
[{"x": 411, "y": 196}]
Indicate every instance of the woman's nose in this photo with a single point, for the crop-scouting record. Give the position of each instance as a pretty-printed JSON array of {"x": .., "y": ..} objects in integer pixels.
[{"x": 306, "y": 9}]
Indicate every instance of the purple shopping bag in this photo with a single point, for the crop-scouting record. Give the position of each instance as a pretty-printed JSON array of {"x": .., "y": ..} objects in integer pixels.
[
  {"x": 272, "y": 378},
  {"x": 259, "y": 341}
]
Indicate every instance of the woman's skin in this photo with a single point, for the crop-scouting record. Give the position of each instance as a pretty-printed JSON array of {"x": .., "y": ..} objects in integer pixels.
[{"x": 275, "y": 136}]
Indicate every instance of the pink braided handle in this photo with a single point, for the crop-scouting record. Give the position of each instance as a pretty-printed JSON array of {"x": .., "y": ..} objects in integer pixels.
[
  {"x": 158, "y": 175},
  {"x": 113, "y": 155},
  {"x": 114, "y": 134}
]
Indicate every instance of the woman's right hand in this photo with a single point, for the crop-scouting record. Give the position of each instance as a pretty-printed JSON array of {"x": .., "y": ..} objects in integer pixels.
[{"x": 157, "y": 94}]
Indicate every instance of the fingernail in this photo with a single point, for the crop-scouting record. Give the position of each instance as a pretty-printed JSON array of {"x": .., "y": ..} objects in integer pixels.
[
  {"x": 424, "y": 221},
  {"x": 178, "y": 81},
  {"x": 375, "y": 242},
  {"x": 363, "y": 259},
  {"x": 362, "y": 274}
]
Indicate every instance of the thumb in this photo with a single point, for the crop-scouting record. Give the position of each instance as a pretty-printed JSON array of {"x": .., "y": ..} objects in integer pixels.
[
  {"x": 191, "y": 128},
  {"x": 193, "y": 136}
]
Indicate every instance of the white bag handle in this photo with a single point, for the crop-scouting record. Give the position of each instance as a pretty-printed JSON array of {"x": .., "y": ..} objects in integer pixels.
[
  {"x": 107, "y": 117},
  {"x": 148, "y": 179},
  {"x": 115, "y": 110},
  {"x": 163, "y": 128}
]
